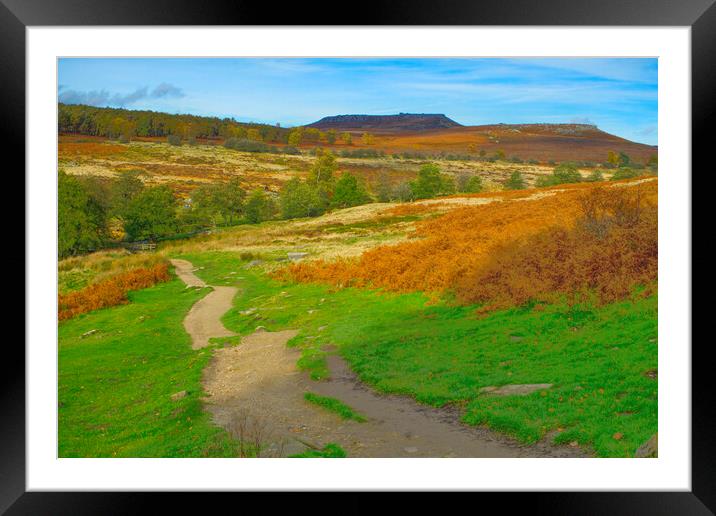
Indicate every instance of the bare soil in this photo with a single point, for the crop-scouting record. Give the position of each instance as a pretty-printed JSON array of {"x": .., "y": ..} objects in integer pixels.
[{"x": 204, "y": 319}]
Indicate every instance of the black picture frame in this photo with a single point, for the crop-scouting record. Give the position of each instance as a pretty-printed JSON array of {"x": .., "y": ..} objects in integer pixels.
[{"x": 700, "y": 15}]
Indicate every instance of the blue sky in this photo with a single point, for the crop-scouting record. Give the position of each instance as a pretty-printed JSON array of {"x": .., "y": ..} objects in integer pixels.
[{"x": 617, "y": 94}]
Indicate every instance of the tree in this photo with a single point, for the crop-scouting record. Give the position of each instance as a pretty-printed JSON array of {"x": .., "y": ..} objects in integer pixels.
[
  {"x": 124, "y": 189},
  {"x": 225, "y": 200},
  {"x": 151, "y": 214},
  {"x": 80, "y": 219},
  {"x": 368, "y": 139},
  {"x": 516, "y": 181},
  {"x": 232, "y": 199},
  {"x": 347, "y": 138},
  {"x": 613, "y": 158},
  {"x": 295, "y": 137},
  {"x": 254, "y": 134},
  {"x": 500, "y": 155},
  {"x": 349, "y": 192},
  {"x": 259, "y": 207},
  {"x": 428, "y": 184},
  {"x": 331, "y": 136},
  {"x": 624, "y": 159},
  {"x": 384, "y": 189},
  {"x": 404, "y": 192},
  {"x": 301, "y": 199},
  {"x": 174, "y": 139},
  {"x": 323, "y": 168},
  {"x": 468, "y": 183}
]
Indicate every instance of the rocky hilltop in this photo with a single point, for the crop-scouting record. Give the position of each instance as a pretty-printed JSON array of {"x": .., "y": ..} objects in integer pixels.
[{"x": 402, "y": 122}]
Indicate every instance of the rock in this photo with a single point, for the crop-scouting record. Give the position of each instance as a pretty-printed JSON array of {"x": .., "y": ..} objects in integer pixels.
[
  {"x": 178, "y": 395},
  {"x": 260, "y": 328},
  {"x": 516, "y": 338},
  {"x": 321, "y": 328},
  {"x": 253, "y": 263},
  {"x": 248, "y": 311},
  {"x": 514, "y": 390},
  {"x": 311, "y": 311},
  {"x": 652, "y": 373},
  {"x": 296, "y": 256},
  {"x": 410, "y": 449},
  {"x": 618, "y": 436},
  {"x": 88, "y": 333},
  {"x": 649, "y": 449}
]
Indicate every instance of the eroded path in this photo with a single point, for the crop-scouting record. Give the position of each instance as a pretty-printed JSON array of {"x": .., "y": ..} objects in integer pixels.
[
  {"x": 204, "y": 319},
  {"x": 256, "y": 388},
  {"x": 256, "y": 392}
]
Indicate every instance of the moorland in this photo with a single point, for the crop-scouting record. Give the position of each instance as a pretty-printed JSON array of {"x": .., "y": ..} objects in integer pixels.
[{"x": 399, "y": 286}]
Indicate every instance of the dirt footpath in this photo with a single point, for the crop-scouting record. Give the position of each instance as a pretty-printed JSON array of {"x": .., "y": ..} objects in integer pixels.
[
  {"x": 256, "y": 385},
  {"x": 204, "y": 318},
  {"x": 256, "y": 392}
]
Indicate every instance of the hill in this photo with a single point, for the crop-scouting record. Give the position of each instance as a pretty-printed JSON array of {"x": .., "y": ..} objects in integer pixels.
[
  {"x": 542, "y": 142},
  {"x": 403, "y": 122}
]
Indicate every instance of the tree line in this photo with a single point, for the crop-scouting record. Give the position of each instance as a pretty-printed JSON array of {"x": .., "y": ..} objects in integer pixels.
[
  {"x": 92, "y": 209},
  {"x": 126, "y": 123}
]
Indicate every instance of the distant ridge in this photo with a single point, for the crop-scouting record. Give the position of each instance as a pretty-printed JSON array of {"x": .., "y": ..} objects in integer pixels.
[{"x": 402, "y": 122}]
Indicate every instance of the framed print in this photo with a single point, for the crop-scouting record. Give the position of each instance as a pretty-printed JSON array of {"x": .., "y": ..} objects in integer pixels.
[{"x": 411, "y": 249}]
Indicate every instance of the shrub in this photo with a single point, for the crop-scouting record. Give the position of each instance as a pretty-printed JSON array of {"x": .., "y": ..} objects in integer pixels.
[
  {"x": 624, "y": 173},
  {"x": 595, "y": 176},
  {"x": 562, "y": 173},
  {"x": 516, "y": 181},
  {"x": 110, "y": 292},
  {"x": 246, "y": 145},
  {"x": 174, "y": 139}
]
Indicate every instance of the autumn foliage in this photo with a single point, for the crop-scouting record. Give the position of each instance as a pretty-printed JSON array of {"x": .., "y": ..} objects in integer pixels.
[
  {"x": 110, "y": 292},
  {"x": 612, "y": 248},
  {"x": 509, "y": 251}
]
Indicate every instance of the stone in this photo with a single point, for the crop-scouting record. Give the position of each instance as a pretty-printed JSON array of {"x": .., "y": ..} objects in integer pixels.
[
  {"x": 321, "y": 328},
  {"x": 248, "y": 311},
  {"x": 649, "y": 449},
  {"x": 410, "y": 449},
  {"x": 516, "y": 338},
  {"x": 253, "y": 263},
  {"x": 178, "y": 395},
  {"x": 514, "y": 390},
  {"x": 296, "y": 256},
  {"x": 88, "y": 333},
  {"x": 260, "y": 328}
]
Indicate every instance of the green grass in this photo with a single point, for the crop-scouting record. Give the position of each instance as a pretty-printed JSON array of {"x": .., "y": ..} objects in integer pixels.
[
  {"x": 596, "y": 357},
  {"x": 329, "y": 451},
  {"x": 115, "y": 385},
  {"x": 335, "y": 406}
]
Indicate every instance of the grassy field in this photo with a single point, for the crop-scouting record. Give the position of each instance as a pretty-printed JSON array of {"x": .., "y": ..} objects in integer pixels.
[
  {"x": 601, "y": 360},
  {"x": 116, "y": 384}
]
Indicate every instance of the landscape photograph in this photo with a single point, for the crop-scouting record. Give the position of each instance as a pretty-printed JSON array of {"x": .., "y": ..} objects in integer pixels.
[{"x": 357, "y": 257}]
